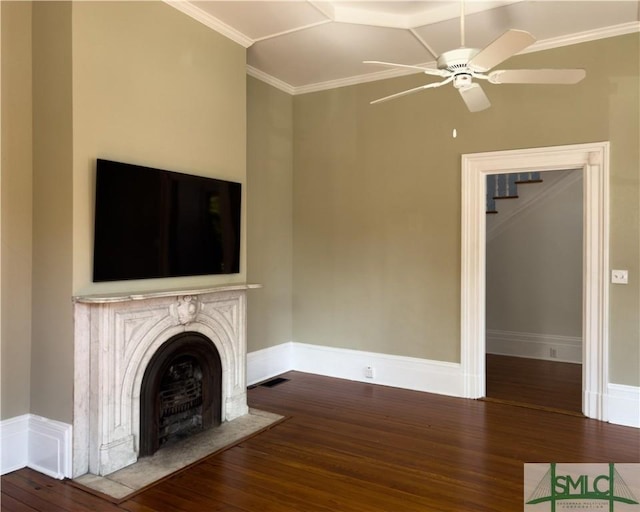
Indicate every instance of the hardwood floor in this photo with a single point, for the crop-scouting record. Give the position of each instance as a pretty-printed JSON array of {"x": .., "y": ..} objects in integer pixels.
[
  {"x": 535, "y": 382},
  {"x": 357, "y": 447}
]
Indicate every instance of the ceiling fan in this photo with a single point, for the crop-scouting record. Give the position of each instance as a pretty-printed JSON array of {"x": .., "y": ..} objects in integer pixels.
[{"x": 462, "y": 65}]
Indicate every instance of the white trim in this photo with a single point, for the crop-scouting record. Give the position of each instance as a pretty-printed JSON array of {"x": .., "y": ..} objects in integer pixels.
[
  {"x": 445, "y": 11},
  {"x": 271, "y": 80},
  {"x": 568, "y": 349},
  {"x": 584, "y": 37},
  {"x": 358, "y": 79},
  {"x": 269, "y": 362},
  {"x": 595, "y": 316},
  {"x": 546, "y": 44},
  {"x": 389, "y": 370},
  {"x": 594, "y": 160},
  {"x": 36, "y": 442},
  {"x": 624, "y": 405},
  {"x": 424, "y": 375},
  {"x": 210, "y": 21},
  {"x": 50, "y": 445},
  {"x": 332, "y": 84},
  {"x": 291, "y": 30},
  {"x": 14, "y": 443},
  {"x": 325, "y": 8}
]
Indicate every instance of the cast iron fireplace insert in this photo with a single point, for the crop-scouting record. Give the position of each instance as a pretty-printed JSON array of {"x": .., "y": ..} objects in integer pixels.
[{"x": 181, "y": 392}]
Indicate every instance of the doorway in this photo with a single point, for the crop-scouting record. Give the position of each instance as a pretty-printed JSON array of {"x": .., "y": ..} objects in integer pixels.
[
  {"x": 593, "y": 159},
  {"x": 534, "y": 289}
]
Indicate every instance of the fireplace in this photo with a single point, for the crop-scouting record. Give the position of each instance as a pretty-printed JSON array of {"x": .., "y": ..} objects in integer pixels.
[
  {"x": 152, "y": 368},
  {"x": 181, "y": 392}
]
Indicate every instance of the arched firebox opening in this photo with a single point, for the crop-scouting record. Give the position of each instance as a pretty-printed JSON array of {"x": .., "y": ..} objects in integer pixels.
[{"x": 181, "y": 391}]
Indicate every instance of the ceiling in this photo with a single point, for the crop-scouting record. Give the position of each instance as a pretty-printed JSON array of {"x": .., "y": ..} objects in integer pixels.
[{"x": 303, "y": 46}]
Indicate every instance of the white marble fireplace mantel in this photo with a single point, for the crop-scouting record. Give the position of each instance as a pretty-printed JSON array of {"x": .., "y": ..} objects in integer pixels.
[
  {"x": 125, "y": 296},
  {"x": 115, "y": 337}
]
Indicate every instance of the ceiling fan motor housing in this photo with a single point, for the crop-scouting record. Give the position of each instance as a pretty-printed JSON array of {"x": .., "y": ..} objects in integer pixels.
[{"x": 457, "y": 60}]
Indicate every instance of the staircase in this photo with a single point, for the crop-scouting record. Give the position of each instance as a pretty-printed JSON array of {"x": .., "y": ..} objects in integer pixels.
[{"x": 505, "y": 186}]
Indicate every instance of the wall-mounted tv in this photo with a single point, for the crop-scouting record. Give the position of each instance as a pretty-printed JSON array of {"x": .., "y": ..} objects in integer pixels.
[{"x": 152, "y": 223}]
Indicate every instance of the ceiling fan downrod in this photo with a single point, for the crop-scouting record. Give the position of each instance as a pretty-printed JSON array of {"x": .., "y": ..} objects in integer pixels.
[{"x": 462, "y": 24}]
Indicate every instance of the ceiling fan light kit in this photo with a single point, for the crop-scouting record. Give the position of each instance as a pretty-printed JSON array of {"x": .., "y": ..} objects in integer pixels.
[{"x": 462, "y": 65}]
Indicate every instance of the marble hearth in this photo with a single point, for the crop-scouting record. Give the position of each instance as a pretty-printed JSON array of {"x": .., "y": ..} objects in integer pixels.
[{"x": 116, "y": 337}]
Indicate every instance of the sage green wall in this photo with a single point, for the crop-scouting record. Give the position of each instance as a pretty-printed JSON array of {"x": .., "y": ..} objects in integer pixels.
[
  {"x": 269, "y": 214},
  {"x": 133, "y": 81},
  {"x": 16, "y": 202},
  {"x": 624, "y": 105},
  {"x": 534, "y": 265},
  {"x": 377, "y": 199},
  {"x": 52, "y": 327},
  {"x": 154, "y": 87}
]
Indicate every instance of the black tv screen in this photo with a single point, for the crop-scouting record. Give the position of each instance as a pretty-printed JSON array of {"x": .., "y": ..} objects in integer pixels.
[{"x": 152, "y": 223}]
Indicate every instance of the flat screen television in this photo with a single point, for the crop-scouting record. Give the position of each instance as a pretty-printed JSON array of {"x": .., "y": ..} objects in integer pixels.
[{"x": 152, "y": 223}]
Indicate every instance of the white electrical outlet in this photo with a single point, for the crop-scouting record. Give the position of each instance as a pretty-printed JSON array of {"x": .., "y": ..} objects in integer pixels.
[
  {"x": 619, "y": 276},
  {"x": 553, "y": 353},
  {"x": 368, "y": 372}
]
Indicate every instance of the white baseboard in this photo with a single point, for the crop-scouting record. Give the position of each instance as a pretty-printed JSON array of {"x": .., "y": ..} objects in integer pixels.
[
  {"x": 536, "y": 346},
  {"x": 45, "y": 445},
  {"x": 624, "y": 405},
  {"x": 439, "y": 377},
  {"x": 389, "y": 370},
  {"x": 269, "y": 362},
  {"x": 14, "y": 442},
  {"x": 36, "y": 442},
  {"x": 50, "y": 445}
]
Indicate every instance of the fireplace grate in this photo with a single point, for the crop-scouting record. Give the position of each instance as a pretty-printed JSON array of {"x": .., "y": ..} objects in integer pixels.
[
  {"x": 180, "y": 400},
  {"x": 181, "y": 392}
]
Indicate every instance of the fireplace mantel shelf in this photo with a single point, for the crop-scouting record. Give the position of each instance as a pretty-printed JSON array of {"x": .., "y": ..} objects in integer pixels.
[{"x": 126, "y": 296}]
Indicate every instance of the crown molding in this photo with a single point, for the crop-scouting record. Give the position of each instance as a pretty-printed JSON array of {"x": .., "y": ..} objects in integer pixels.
[
  {"x": 583, "y": 37},
  {"x": 359, "y": 79},
  {"x": 271, "y": 80},
  {"x": 361, "y": 15},
  {"x": 210, "y": 21},
  {"x": 546, "y": 44},
  {"x": 291, "y": 31}
]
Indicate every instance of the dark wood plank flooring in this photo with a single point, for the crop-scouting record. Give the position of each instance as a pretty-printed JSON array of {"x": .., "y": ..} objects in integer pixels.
[
  {"x": 357, "y": 447},
  {"x": 535, "y": 382}
]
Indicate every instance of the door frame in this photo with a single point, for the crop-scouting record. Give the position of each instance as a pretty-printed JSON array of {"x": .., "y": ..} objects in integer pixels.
[{"x": 593, "y": 159}]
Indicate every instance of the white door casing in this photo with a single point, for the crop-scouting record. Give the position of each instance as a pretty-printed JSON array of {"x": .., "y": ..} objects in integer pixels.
[{"x": 593, "y": 159}]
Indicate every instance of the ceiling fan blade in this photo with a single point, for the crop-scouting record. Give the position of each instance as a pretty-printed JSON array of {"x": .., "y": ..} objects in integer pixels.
[
  {"x": 474, "y": 97},
  {"x": 428, "y": 71},
  {"x": 537, "y": 76},
  {"x": 508, "y": 44},
  {"x": 431, "y": 85}
]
